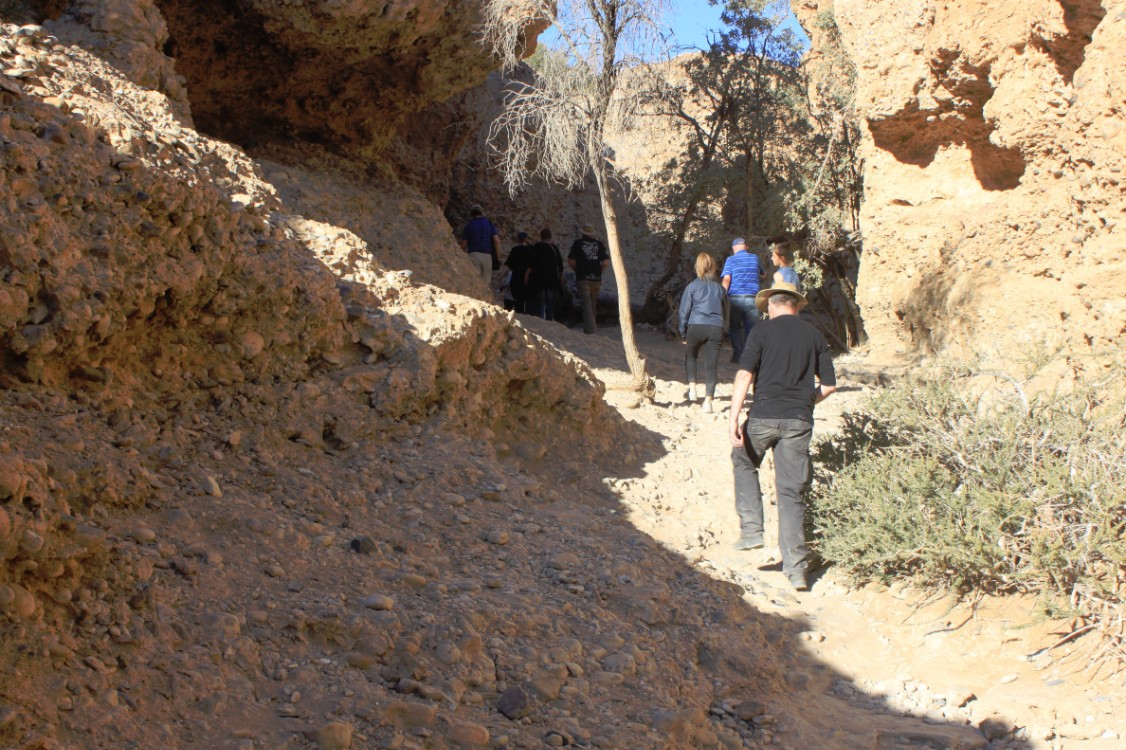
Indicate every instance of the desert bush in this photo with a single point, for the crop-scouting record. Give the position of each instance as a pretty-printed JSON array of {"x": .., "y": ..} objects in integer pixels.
[{"x": 961, "y": 480}]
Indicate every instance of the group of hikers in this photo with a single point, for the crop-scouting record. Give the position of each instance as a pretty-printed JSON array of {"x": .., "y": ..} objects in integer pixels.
[
  {"x": 787, "y": 363},
  {"x": 531, "y": 277},
  {"x": 782, "y": 359}
]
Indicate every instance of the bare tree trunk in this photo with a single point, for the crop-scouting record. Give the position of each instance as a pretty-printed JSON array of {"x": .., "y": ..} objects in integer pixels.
[
  {"x": 641, "y": 381},
  {"x": 750, "y": 169}
]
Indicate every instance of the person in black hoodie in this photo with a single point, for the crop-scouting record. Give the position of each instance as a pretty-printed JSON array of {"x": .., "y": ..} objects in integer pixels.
[
  {"x": 545, "y": 280},
  {"x": 519, "y": 262}
]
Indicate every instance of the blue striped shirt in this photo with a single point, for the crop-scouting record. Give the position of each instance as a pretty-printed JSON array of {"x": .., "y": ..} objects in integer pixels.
[
  {"x": 742, "y": 267},
  {"x": 478, "y": 235}
]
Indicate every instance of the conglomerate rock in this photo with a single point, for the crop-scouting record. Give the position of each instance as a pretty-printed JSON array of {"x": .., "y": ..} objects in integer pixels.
[{"x": 994, "y": 148}]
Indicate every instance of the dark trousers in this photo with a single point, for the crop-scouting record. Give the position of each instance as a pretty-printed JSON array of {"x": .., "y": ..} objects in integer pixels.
[
  {"x": 744, "y": 314},
  {"x": 793, "y": 472},
  {"x": 534, "y": 302},
  {"x": 550, "y": 299},
  {"x": 703, "y": 343}
]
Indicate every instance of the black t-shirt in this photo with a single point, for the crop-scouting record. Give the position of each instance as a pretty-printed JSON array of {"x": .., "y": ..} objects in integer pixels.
[
  {"x": 547, "y": 267},
  {"x": 588, "y": 254},
  {"x": 785, "y": 354},
  {"x": 519, "y": 260}
]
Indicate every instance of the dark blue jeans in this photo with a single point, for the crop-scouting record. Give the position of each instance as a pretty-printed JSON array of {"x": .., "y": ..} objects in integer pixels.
[
  {"x": 793, "y": 472},
  {"x": 744, "y": 314}
]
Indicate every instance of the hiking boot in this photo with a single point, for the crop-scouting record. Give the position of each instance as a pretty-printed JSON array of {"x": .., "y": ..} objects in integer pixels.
[
  {"x": 690, "y": 394},
  {"x": 749, "y": 541},
  {"x": 799, "y": 581},
  {"x": 707, "y": 405}
]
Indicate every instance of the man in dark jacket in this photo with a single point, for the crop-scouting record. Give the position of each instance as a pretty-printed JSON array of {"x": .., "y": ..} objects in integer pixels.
[
  {"x": 789, "y": 364},
  {"x": 545, "y": 282}
]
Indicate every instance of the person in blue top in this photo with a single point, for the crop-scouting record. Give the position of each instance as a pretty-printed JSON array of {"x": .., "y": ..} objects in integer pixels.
[
  {"x": 741, "y": 278},
  {"x": 703, "y": 320},
  {"x": 481, "y": 240},
  {"x": 782, "y": 256}
]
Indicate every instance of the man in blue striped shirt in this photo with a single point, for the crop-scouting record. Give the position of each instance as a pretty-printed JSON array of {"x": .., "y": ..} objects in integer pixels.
[
  {"x": 481, "y": 240},
  {"x": 740, "y": 277}
]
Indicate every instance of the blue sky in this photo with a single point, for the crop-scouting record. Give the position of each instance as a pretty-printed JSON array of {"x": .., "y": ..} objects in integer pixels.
[{"x": 692, "y": 19}]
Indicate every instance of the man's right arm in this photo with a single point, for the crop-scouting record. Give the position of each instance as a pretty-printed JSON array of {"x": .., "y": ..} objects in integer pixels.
[{"x": 743, "y": 380}]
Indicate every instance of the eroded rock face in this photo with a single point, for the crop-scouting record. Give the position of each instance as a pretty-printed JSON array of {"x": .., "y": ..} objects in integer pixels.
[
  {"x": 339, "y": 72},
  {"x": 994, "y": 152}
]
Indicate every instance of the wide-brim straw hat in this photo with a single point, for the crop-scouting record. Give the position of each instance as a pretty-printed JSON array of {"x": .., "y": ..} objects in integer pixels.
[
  {"x": 587, "y": 229},
  {"x": 781, "y": 287}
]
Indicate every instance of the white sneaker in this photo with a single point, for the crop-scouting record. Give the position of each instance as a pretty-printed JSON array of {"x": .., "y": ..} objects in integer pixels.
[
  {"x": 707, "y": 406},
  {"x": 691, "y": 394}
]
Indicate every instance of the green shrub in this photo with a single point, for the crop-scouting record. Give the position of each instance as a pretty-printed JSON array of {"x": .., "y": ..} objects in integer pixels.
[{"x": 959, "y": 479}]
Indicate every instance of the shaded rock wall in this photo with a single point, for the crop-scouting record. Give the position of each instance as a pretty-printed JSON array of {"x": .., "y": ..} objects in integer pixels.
[
  {"x": 994, "y": 149},
  {"x": 344, "y": 74}
]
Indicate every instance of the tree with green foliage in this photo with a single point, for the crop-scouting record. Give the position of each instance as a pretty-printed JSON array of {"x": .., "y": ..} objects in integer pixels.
[{"x": 738, "y": 105}]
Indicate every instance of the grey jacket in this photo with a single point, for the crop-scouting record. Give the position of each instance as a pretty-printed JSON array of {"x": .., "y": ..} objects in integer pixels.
[{"x": 703, "y": 303}]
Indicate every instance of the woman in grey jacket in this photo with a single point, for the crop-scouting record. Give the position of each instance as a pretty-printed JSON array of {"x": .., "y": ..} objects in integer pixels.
[{"x": 703, "y": 321}]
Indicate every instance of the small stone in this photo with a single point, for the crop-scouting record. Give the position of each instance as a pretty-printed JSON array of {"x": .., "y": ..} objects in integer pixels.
[
  {"x": 359, "y": 661},
  {"x": 364, "y": 545},
  {"x": 1008, "y": 678},
  {"x": 453, "y": 499},
  {"x": 335, "y": 735},
  {"x": 378, "y": 601},
  {"x": 749, "y": 710},
  {"x": 143, "y": 535},
  {"x": 209, "y": 485},
  {"x": 797, "y": 680},
  {"x": 995, "y": 728},
  {"x": 409, "y": 715},
  {"x": 252, "y": 344},
  {"x": 497, "y": 536},
  {"x": 8, "y": 714},
  {"x": 515, "y": 703},
  {"x": 961, "y": 696},
  {"x": 469, "y": 734}
]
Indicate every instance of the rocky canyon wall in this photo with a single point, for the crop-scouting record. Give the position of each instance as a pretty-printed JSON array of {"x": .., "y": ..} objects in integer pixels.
[{"x": 994, "y": 148}]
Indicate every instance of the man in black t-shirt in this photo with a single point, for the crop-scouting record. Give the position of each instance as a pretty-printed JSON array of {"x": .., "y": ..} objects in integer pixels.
[
  {"x": 789, "y": 364},
  {"x": 588, "y": 257},
  {"x": 519, "y": 262}
]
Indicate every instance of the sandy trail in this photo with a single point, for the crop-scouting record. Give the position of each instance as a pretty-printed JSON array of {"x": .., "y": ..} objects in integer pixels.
[{"x": 987, "y": 664}]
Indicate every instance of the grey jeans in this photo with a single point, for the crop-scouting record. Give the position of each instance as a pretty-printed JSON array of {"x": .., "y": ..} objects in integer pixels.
[{"x": 793, "y": 472}]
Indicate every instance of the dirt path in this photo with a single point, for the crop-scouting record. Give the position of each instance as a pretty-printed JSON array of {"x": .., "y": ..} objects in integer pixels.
[{"x": 894, "y": 650}]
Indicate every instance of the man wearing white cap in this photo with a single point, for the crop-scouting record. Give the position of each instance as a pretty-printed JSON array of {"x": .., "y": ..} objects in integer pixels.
[{"x": 788, "y": 362}]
